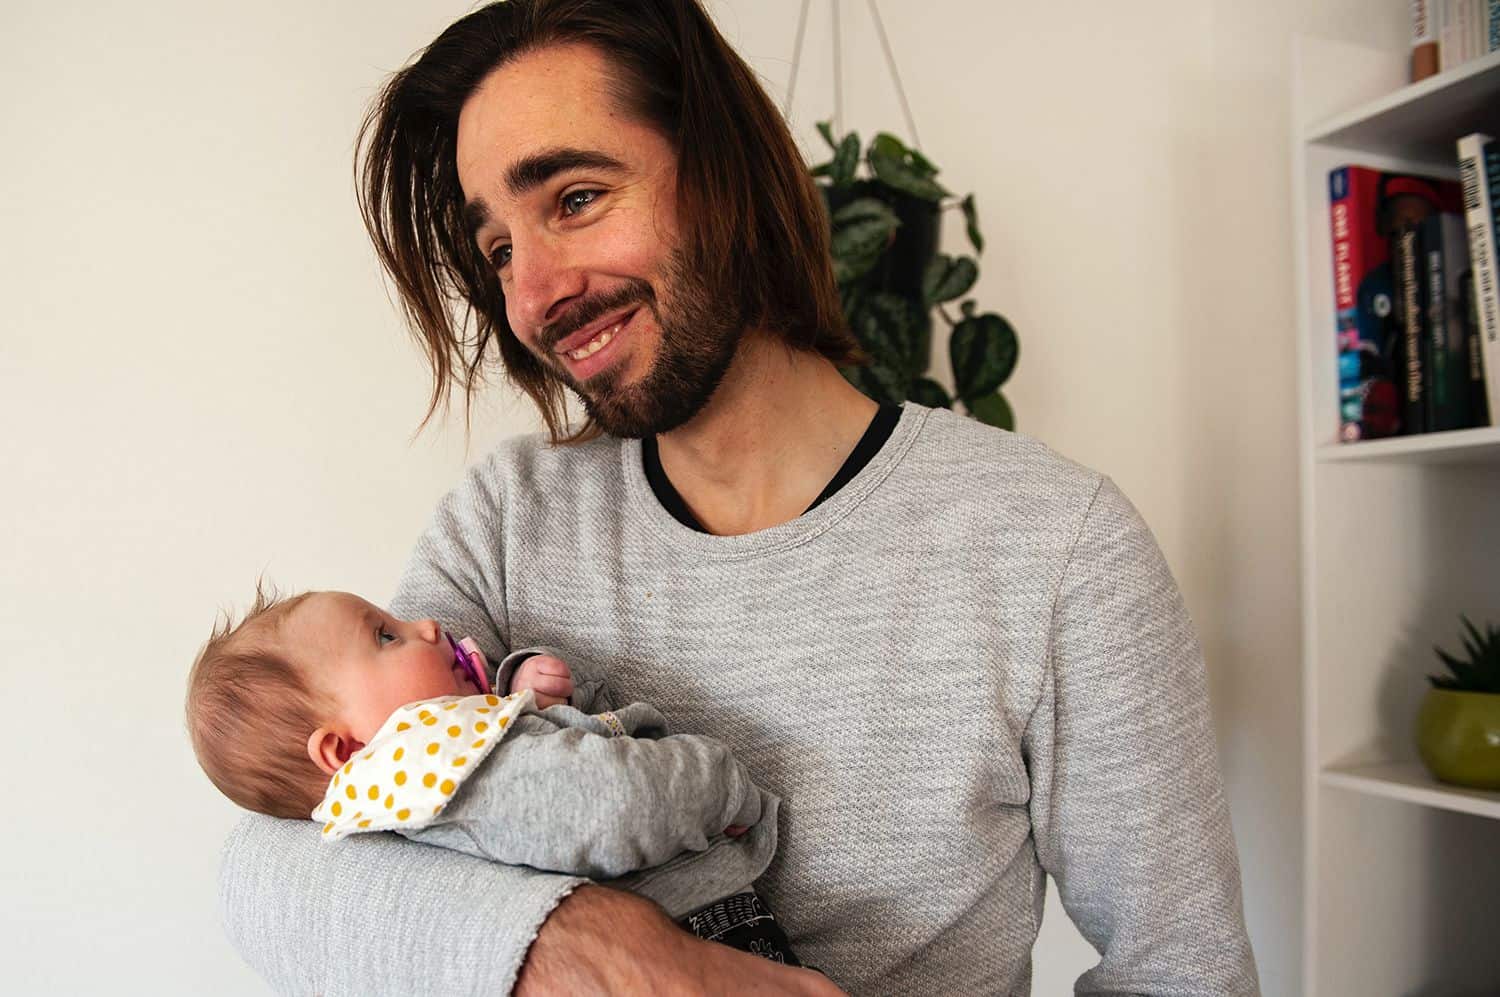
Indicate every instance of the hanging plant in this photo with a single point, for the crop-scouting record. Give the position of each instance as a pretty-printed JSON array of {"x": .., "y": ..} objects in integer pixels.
[{"x": 886, "y": 221}]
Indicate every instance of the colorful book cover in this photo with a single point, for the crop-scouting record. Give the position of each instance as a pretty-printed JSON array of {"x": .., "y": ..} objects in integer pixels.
[
  {"x": 1479, "y": 172},
  {"x": 1444, "y": 245},
  {"x": 1367, "y": 208}
]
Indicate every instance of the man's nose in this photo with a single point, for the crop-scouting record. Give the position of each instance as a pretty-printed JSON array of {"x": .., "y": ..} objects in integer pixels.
[{"x": 543, "y": 282}]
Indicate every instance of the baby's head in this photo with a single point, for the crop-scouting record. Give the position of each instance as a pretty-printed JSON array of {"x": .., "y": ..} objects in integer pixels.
[{"x": 279, "y": 701}]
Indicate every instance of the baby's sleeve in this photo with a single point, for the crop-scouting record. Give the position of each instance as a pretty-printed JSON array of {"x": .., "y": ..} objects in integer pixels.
[{"x": 566, "y": 799}]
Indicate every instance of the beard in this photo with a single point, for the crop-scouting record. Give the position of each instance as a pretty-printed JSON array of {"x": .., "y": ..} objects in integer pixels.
[{"x": 699, "y": 336}]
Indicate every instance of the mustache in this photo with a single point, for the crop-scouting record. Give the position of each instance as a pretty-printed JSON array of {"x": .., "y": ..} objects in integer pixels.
[{"x": 591, "y": 309}]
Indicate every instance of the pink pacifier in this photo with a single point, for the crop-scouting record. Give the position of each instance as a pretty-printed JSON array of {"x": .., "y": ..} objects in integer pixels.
[{"x": 470, "y": 661}]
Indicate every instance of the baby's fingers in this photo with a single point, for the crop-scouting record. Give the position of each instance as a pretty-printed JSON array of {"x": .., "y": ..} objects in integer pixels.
[{"x": 547, "y": 685}]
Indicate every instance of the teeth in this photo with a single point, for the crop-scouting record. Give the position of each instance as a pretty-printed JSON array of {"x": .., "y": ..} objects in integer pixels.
[{"x": 596, "y": 344}]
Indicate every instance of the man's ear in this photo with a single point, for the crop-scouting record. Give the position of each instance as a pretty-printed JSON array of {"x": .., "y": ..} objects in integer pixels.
[{"x": 330, "y": 749}]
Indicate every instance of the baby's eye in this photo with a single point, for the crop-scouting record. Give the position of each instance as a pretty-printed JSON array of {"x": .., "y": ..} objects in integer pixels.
[{"x": 385, "y": 635}]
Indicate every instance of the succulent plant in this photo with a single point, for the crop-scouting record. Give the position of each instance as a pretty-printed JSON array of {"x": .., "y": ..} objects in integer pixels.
[
  {"x": 1481, "y": 672},
  {"x": 892, "y": 278}
]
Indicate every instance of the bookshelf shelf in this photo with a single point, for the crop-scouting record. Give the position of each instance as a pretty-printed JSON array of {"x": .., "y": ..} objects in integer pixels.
[
  {"x": 1462, "y": 446},
  {"x": 1398, "y": 537},
  {"x": 1418, "y": 122},
  {"x": 1411, "y": 783}
]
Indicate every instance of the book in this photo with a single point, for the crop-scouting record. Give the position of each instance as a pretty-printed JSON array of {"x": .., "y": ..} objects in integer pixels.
[
  {"x": 1367, "y": 208},
  {"x": 1444, "y": 246},
  {"x": 1479, "y": 172},
  {"x": 1424, "y": 39},
  {"x": 1479, "y": 406},
  {"x": 1413, "y": 343},
  {"x": 1493, "y": 26},
  {"x": 1450, "y": 35}
]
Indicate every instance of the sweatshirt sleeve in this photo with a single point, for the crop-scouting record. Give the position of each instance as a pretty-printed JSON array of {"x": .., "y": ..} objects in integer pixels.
[
  {"x": 1128, "y": 806},
  {"x": 380, "y": 914},
  {"x": 375, "y": 913},
  {"x": 565, "y": 799}
]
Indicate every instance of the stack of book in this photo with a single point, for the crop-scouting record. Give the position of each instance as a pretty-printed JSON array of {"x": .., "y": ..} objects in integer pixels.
[
  {"x": 1417, "y": 295},
  {"x": 1449, "y": 33}
]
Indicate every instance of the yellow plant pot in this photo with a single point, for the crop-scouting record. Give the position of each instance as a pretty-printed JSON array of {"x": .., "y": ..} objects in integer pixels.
[{"x": 1458, "y": 737}]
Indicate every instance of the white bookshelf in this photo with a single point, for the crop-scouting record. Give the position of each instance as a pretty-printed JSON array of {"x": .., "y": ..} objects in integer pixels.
[{"x": 1401, "y": 888}]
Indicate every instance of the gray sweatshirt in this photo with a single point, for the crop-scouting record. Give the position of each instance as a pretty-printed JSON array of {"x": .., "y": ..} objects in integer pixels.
[{"x": 967, "y": 670}]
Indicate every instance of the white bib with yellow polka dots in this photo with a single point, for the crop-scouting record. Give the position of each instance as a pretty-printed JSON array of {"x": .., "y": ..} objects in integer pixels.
[{"x": 415, "y": 762}]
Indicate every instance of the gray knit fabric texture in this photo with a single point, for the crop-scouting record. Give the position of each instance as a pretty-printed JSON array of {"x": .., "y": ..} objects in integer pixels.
[{"x": 966, "y": 670}]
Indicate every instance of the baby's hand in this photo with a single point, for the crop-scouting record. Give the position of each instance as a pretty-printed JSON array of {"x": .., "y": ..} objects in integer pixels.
[{"x": 550, "y": 679}]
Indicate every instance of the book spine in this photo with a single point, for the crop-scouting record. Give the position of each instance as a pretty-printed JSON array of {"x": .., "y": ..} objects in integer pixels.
[
  {"x": 1424, "y": 40},
  {"x": 1463, "y": 10},
  {"x": 1348, "y": 263},
  {"x": 1437, "y": 387},
  {"x": 1409, "y": 287},
  {"x": 1447, "y": 34},
  {"x": 1479, "y": 215},
  {"x": 1479, "y": 406},
  {"x": 1494, "y": 26}
]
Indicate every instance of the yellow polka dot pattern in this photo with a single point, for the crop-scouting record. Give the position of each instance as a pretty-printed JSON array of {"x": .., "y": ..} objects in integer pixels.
[{"x": 412, "y": 767}]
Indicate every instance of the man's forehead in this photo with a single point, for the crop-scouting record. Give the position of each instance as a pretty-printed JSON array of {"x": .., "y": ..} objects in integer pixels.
[{"x": 560, "y": 96}]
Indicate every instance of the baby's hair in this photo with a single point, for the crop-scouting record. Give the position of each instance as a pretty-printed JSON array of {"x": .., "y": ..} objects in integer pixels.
[{"x": 250, "y": 709}]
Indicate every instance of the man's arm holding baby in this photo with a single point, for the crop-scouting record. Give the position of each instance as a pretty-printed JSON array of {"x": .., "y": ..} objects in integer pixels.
[{"x": 381, "y": 914}]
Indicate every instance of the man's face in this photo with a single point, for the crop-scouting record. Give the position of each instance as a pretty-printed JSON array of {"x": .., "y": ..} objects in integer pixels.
[{"x": 572, "y": 199}]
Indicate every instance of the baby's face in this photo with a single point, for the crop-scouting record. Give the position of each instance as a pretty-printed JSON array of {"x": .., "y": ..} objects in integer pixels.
[{"x": 372, "y": 662}]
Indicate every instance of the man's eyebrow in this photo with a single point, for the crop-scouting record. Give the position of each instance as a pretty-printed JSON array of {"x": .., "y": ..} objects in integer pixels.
[{"x": 530, "y": 172}]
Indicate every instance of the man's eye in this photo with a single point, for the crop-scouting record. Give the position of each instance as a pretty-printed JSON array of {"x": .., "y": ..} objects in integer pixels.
[
  {"x": 384, "y": 635},
  {"x": 578, "y": 200}
]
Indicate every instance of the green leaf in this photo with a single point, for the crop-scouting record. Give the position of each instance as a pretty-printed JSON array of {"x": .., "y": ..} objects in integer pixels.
[
  {"x": 948, "y": 277},
  {"x": 862, "y": 229},
  {"x": 845, "y": 160},
  {"x": 926, "y": 391},
  {"x": 971, "y": 218},
  {"x": 865, "y": 208},
  {"x": 922, "y": 164},
  {"x": 825, "y": 129},
  {"x": 822, "y": 169},
  {"x": 849, "y": 269},
  {"x": 984, "y": 352},
  {"x": 861, "y": 239},
  {"x": 993, "y": 410},
  {"x": 878, "y": 382},
  {"x": 890, "y": 328},
  {"x": 968, "y": 308},
  {"x": 891, "y": 163}
]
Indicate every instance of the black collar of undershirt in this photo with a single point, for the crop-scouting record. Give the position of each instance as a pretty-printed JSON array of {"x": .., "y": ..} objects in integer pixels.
[{"x": 879, "y": 430}]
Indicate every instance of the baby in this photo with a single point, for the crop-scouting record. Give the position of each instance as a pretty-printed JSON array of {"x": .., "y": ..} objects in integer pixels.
[{"x": 323, "y": 704}]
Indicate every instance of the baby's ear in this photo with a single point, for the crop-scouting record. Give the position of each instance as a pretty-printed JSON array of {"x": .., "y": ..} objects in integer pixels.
[{"x": 329, "y": 750}]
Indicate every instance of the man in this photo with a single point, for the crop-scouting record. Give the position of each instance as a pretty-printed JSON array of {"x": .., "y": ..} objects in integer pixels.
[{"x": 958, "y": 659}]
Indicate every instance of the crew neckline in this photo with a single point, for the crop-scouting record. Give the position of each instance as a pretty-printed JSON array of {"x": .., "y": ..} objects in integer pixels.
[
  {"x": 782, "y": 536},
  {"x": 881, "y": 424}
]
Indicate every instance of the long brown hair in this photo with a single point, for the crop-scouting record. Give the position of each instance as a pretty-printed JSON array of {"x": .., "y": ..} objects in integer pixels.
[{"x": 754, "y": 224}]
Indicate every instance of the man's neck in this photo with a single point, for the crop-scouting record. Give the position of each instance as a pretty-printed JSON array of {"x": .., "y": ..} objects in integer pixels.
[{"x": 775, "y": 432}]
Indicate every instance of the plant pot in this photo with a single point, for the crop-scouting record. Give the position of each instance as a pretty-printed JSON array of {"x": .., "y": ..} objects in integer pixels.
[
  {"x": 1458, "y": 737},
  {"x": 916, "y": 243}
]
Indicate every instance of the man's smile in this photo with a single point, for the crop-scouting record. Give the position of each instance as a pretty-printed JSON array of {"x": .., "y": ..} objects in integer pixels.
[{"x": 587, "y": 352}]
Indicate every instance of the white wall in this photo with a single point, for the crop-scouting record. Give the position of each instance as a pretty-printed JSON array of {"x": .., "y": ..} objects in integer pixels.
[{"x": 202, "y": 378}]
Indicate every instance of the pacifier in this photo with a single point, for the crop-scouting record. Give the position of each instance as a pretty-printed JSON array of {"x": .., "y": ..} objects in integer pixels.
[{"x": 471, "y": 662}]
